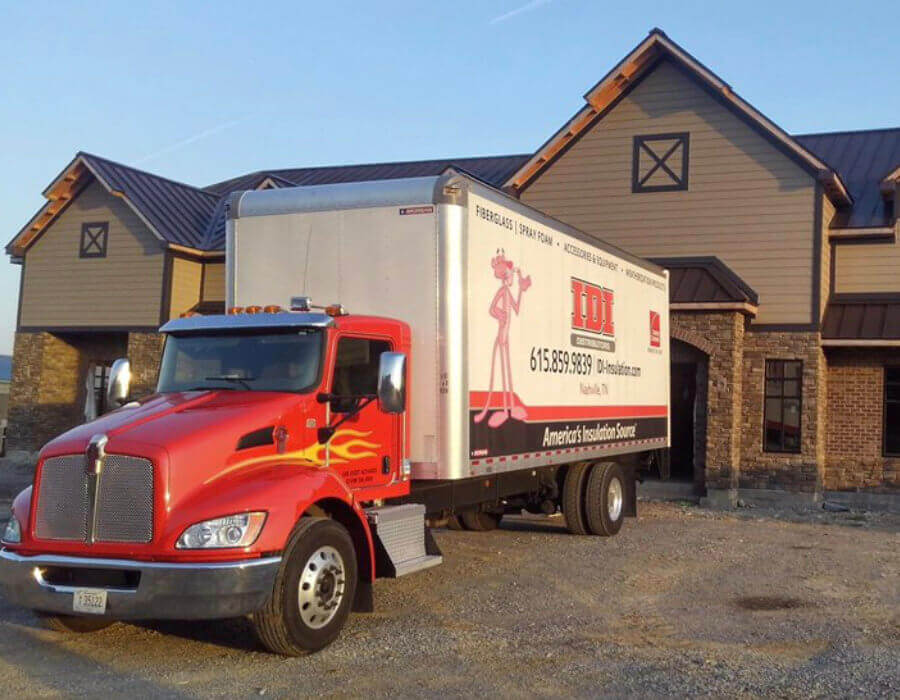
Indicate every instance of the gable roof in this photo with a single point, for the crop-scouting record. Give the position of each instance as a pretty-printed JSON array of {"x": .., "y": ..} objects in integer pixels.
[
  {"x": 864, "y": 159},
  {"x": 630, "y": 71},
  {"x": 174, "y": 212}
]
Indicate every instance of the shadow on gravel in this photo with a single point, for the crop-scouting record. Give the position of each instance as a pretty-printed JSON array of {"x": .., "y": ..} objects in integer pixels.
[
  {"x": 763, "y": 602},
  {"x": 235, "y": 633},
  {"x": 49, "y": 666}
]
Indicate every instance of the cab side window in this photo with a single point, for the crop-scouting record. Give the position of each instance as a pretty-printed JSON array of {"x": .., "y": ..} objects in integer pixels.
[{"x": 356, "y": 365}]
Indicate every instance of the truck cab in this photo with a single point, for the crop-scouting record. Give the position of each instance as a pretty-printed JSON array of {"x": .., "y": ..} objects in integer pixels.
[{"x": 251, "y": 469}]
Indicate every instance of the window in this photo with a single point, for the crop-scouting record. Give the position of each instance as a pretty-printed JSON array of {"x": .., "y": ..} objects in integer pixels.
[
  {"x": 283, "y": 361},
  {"x": 356, "y": 366},
  {"x": 93, "y": 240},
  {"x": 892, "y": 411},
  {"x": 784, "y": 382},
  {"x": 660, "y": 163},
  {"x": 100, "y": 382}
]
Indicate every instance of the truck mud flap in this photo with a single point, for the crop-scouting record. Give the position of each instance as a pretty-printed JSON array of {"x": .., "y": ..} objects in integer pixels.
[{"x": 403, "y": 544}]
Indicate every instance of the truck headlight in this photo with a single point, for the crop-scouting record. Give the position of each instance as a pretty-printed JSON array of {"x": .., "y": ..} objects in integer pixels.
[
  {"x": 239, "y": 530},
  {"x": 13, "y": 531}
]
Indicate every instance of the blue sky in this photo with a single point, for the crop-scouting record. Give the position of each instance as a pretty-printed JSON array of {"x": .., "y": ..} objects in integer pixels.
[{"x": 203, "y": 91}]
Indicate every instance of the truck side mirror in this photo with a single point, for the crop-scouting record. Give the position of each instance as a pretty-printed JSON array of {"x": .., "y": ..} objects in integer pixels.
[
  {"x": 392, "y": 382},
  {"x": 119, "y": 387}
]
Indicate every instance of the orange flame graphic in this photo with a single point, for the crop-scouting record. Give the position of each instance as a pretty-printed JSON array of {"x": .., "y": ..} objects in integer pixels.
[{"x": 345, "y": 446}]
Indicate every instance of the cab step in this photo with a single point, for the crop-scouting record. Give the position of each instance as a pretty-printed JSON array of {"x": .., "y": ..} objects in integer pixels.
[{"x": 403, "y": 544}]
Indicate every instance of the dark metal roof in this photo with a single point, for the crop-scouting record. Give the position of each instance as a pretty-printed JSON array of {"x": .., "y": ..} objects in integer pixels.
[
  {"x": 177, "y": 212},
  {"x": 863, "y": 159},
  {"x": 862, "y": 317},
  {"x": 705, "y": 280},
  {"x": 494, "y": 170}
]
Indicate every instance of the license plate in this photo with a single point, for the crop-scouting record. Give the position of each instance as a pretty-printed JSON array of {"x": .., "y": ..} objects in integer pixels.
[{"x": 89, "y": 600}]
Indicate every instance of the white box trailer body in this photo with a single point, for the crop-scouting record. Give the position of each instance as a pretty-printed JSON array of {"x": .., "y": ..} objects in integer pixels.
[{"x": 533, "y": 343}]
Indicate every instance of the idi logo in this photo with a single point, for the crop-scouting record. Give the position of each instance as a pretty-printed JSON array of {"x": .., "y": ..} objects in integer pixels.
[{"x": 592, "y": 308}]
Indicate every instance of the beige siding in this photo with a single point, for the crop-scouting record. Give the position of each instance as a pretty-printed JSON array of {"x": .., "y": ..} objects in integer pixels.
[
  {"x": 867, "y": 268},
  {"x": 747, "y": 203},
  {"x": 60, "y": 289},
  {"x": 186, "y": 275},
  {"x": 214, "y": 282},
  {"x": 825, "y": 286}
]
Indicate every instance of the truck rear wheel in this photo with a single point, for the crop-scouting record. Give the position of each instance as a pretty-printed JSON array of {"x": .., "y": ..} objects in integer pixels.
[
  {"x": 573, "y": 499},
  {"x": 313, "y": 591},
  {"x": 75, "y": 623},
  {"x": 480, "y": 521},
  {"x": 605, "y": 499}
]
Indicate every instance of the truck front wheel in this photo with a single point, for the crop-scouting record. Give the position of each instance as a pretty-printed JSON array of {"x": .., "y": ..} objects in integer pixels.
[
  {"x": 605, "y": 499},
  {"x": 313, "y": 591}
]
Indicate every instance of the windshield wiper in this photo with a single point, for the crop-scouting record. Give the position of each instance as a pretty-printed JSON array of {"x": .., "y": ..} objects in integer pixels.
[
  {"x": 210, "y": 388},
  {"x": 243, "y": 381}
]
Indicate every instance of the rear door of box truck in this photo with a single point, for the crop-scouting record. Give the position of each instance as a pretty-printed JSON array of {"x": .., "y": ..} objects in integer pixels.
[{"x": 568, "y": 339}]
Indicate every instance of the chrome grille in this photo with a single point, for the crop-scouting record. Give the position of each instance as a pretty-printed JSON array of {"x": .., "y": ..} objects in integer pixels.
[
  {"x": 124, "y": 502},
  {"x": 62, "y": 507}
]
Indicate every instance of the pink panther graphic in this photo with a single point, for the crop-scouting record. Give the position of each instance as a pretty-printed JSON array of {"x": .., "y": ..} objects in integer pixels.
[{"x": 501, "y": 309}]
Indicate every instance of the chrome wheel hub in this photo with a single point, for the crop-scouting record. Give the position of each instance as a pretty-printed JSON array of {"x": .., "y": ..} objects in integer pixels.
[
  {"x": 321, "y": 589},
  {"x": 614, "y": 499}
]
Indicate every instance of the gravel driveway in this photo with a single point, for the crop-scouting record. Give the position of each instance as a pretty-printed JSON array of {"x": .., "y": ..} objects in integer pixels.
[{"x": 682, "y": 601}]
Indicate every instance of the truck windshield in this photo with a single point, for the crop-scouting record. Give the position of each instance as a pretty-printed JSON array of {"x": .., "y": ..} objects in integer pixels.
[{"x": 283, "y": 361}]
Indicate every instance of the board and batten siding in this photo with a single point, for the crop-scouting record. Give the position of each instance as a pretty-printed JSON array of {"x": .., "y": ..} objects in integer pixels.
[
  {"x": 214, "y": 282},
  {"x": 186, "y": 277},
  {"x": 746, "y": 202},
  {"x": 123, "y": 289},
  {"x": 864, "y": 268}
]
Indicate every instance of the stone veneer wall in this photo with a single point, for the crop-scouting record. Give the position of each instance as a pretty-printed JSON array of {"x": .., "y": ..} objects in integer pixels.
[
  {"x": 41, "y": 407},
  {"x": 765, "y": 470},
  {"x": 144, "y": 353},
  {"x": 721, "y": 337},
  {"x": 855, "y": 421},
  {"x": 47, "y": 393}
]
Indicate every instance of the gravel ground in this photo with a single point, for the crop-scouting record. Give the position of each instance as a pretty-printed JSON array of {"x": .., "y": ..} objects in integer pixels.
[{"x": 683, "y": 601}]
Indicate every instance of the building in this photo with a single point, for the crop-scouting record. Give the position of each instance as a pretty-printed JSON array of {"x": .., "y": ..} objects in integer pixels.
[{"x": 782, "y": 249}]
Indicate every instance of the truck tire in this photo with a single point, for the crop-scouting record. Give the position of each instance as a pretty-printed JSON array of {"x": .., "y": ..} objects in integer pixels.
[
  {"x": 75, "y": 623},
  {"x": 313, "y": 592},
  {"x": 605, "y": 499},
  {"x": 573, "y": 499},
  {"x": 480, "y": 521}
]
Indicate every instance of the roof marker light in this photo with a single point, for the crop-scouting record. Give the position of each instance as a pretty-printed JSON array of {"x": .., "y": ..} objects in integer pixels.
[
  {"x": 235, "y": 310},
  {"x": 272, "y": 309},
  {"x": 255, "y": 309},
  {"x": 335, "y": 310}
]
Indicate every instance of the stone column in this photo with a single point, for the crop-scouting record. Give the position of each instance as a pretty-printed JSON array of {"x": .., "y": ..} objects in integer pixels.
[
  {"x": 144, "y": 353},
  {"x": 721, "y": 337}
]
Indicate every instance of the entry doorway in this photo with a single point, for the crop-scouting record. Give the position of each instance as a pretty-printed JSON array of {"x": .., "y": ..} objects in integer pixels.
[
  {"x": 683, "y": 399},
  {"x": 683, "y": 465}
]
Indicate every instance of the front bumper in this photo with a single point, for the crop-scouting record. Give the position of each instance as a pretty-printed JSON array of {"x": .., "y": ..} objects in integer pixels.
[{"x": 159, "y": 590}]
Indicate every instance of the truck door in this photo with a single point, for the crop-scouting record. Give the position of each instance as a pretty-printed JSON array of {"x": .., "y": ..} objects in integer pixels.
[{"x": 365, "y": 449}]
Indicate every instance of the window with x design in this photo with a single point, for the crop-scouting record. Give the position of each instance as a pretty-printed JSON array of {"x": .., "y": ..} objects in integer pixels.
[
  {"x": 660, "y": 163},
  {"x": 93, "y": 239}
]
